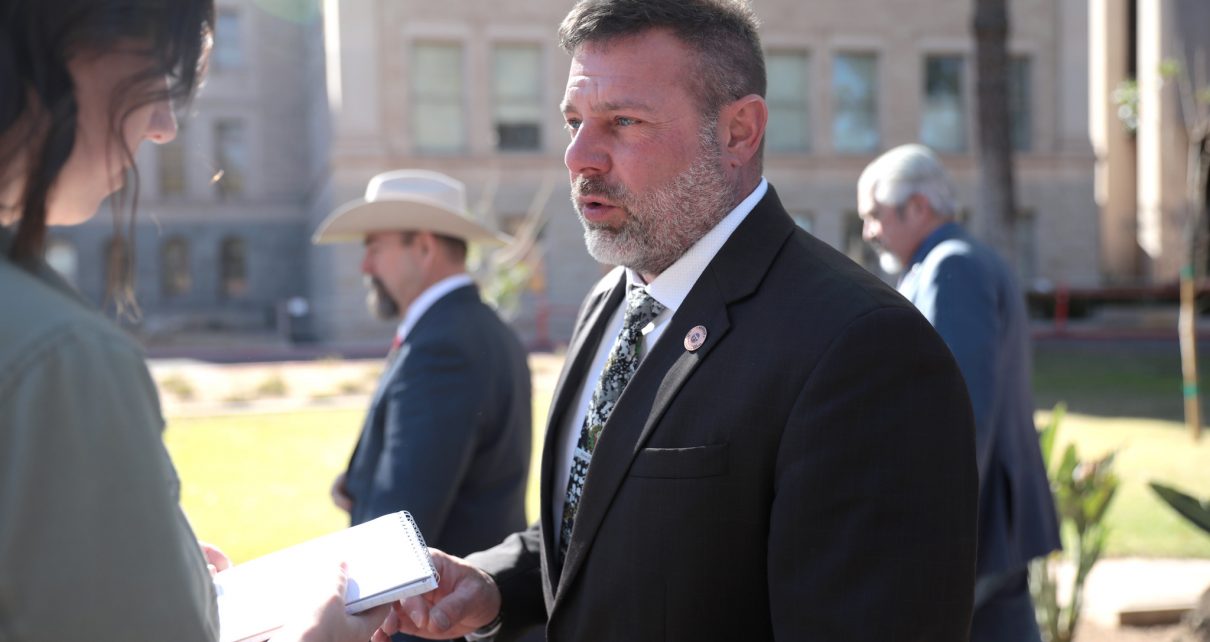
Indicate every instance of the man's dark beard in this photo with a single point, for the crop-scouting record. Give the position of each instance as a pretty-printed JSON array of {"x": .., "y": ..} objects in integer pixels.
[{"x": 379, "y": 301}]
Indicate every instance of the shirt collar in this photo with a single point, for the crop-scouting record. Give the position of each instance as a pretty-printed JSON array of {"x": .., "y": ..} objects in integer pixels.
[
  {"x": 672, "y": 285},
  {"x": 946, "y": 232},
  {"x": 40, "y": 269},
  {"x": 426, "y": 300}
]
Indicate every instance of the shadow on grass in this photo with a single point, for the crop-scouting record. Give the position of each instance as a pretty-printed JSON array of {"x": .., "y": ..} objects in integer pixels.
[{"x": 1114, "y": 379}]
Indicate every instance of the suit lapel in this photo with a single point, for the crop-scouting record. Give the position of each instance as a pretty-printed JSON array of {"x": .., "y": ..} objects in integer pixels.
[
  {"x": 734, "y": 273},
  {"x": 587, "y": 338},
  {"x": 430, "y": 321}
]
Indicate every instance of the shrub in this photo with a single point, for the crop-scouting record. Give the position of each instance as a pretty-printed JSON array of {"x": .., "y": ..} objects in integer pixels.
[
  {"x": 178, "y": 386},
  {"x": 1083, "y": 490},
  {"x": 272, "y": 386}
]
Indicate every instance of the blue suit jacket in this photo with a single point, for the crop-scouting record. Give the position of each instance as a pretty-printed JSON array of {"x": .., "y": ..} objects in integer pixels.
[
  {"x": 447, "y": 436},
  {"x": 969, "y": 294}
]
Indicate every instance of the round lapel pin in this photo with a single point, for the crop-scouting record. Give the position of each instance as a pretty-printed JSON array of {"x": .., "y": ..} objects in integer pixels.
[{"x": 695, "y": 338}]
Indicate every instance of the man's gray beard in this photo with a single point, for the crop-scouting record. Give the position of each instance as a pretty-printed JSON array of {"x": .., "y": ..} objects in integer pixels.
[
  {"x": 662, "y": 225},
  {"x": 379, "y": 301},
  {"x": 889, "y": 263}
]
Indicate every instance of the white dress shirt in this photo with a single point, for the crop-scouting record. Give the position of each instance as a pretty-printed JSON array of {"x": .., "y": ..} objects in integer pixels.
[
  {"x": 426, "y": 300},
  {"x": 669, "y": 288}
]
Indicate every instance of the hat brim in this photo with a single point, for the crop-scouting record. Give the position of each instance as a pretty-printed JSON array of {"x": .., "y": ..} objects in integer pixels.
[{"x": 352, "y": 221}]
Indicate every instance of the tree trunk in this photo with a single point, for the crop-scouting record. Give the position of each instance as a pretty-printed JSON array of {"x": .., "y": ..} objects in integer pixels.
[{"x": 997, "y": 211}]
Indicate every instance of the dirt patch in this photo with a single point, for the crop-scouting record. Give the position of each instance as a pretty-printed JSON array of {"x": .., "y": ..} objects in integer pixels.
[{"x": 196, "y": 387}]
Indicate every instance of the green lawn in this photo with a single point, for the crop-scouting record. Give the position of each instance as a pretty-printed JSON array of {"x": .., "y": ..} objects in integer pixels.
[
  {"x": 253, "y": 483},
  {"x": 1148, "y": 449}
]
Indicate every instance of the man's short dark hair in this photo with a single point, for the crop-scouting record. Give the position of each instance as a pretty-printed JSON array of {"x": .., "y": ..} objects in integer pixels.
[
  {"x": 455, "y": 248},
  {"x": 722, "y": 32}
]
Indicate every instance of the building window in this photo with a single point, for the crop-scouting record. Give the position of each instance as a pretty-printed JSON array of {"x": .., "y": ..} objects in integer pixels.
[
  {"x": 231, "y": 154},
  {"x": 855, "y": 103},
  {"x": 228, "y": 52},
  {"x": 789, "y": 119},
  {"x": 174, "y": 267},
  {"x": 438, "y": 123},
  {"x": 62, "y": 256},
  {"x": 517, "y": 96},
  {"x": 233, "y": 268},
  {"x": 170, "y": 158},
  {"x": 1019, "y": 97},
  {"x": 943, "y": 115}
]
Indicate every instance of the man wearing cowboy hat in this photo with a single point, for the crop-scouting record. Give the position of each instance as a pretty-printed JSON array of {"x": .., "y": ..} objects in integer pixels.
[{"x": 447, "y": 435}]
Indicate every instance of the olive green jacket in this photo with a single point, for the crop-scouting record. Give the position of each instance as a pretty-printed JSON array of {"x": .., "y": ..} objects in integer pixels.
[{"x": 93, "y": 543}]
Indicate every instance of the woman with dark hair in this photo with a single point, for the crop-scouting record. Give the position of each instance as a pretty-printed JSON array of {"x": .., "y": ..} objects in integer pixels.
[{"x": 92, "y": 540}]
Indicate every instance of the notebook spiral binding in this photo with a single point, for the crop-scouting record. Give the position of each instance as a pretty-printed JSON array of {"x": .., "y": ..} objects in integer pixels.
[{"x": 424, "y": 549}]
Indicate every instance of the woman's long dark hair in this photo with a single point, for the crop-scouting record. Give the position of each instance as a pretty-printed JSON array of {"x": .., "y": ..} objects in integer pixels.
[{"x": 37, "y": 98}]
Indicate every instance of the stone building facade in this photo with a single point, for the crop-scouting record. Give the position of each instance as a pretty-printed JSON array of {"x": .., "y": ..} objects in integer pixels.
[
  {"x": 307, "y": 107},
  {"x": 220, "y": 234},
  {"x": 1141, "y": 139}
]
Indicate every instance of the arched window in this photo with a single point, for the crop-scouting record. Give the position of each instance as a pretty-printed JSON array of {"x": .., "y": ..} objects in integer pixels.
[
  {"x": 62, "y": 256},
  {"x": 233, "y": 266},
  {"x": 175, "y": 279}
]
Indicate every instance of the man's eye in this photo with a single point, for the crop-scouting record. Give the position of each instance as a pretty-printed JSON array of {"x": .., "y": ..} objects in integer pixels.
[
  {"x": 572, "y": 124},
  {"x": 625, "y": 121}
]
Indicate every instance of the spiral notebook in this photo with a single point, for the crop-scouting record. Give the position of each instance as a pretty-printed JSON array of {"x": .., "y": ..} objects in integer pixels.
[{"x": 387, "y": 561}]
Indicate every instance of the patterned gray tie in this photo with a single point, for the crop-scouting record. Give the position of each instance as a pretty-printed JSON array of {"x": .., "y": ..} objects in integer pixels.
[{"x": 620, "y": 366}]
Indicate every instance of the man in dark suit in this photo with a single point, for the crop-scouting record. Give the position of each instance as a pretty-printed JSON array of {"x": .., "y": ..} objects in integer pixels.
[
  {"x": 968, "y": 293},
  {"x": 752, "y": 437},
  {"x": 448, "y": 433}
]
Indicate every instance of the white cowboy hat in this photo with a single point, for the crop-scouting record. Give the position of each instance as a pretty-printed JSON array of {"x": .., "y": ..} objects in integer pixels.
[{"x": 406, "y": 200}]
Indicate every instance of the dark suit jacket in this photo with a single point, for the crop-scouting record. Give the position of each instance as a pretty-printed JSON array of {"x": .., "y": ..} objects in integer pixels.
[
  {"x": 448, "y": 433},
  {"x": 971, "y": 297},
  {"x": 807, "y": 474}
]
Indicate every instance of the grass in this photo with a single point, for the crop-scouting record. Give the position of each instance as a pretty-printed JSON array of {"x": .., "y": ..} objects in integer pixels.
[
  {"x": 1148, "y": 449},
  {"x": 253, "y": 483},
  {"x": 1135, "y": 379}
]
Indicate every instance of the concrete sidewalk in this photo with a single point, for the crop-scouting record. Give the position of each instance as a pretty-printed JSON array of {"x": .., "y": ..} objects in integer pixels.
[{"x": 1132, "y": 583}]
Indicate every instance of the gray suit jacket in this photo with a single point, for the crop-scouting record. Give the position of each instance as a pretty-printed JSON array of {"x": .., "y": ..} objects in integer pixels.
[
  {"x": 971, "y": 297},
  {"x": 448, "y": 433},
  {"x": 807, "y": 473},
  {"x": 88, "y": 494}
]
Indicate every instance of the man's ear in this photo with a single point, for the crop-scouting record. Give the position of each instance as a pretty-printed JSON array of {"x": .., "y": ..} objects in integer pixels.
[
  {"x": 919, "y": 209},
  {"x": 426, "y": 245},
  {"x": 742, "y": 128}
]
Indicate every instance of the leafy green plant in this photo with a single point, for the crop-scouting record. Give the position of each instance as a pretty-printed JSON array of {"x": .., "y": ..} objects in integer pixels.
[
  {"x": 1126, "y": 97},
  {"x": 1083, "y": 490},
  {"x": 1195, "y": 510}
]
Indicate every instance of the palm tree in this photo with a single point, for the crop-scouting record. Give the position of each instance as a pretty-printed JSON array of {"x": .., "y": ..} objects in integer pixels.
[{"x": 997, "y": 200}]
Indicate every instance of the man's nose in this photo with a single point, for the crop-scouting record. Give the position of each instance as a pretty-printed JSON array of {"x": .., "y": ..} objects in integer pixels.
[
  {"x": 586, "y": 153},
  {"x": 868, "y": 231}
]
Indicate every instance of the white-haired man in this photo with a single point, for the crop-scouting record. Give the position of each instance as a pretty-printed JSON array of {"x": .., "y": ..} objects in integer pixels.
[{"x": 907, "y": 206}]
